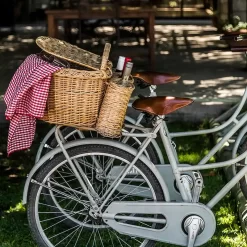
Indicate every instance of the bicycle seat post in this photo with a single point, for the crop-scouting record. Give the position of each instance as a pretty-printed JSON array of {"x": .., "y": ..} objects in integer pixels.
[{"x": 152, "y": 89}]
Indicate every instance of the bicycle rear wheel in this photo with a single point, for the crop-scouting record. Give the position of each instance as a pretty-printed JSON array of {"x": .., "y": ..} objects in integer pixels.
[{"x": 48, "y": 222}]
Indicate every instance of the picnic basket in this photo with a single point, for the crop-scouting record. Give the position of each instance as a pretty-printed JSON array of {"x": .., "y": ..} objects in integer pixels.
[{"x": 75, "y": 95}]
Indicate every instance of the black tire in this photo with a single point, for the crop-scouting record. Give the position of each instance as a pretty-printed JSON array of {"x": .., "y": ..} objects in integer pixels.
[
  {"x": 55, "y": 164},
  {"x": 243, "y": 180}
]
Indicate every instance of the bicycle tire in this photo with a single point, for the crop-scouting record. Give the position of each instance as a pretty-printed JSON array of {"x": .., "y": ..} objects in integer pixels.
[
  {"x": 243, "y": 180},
  {"x": 76, "y": 152}
]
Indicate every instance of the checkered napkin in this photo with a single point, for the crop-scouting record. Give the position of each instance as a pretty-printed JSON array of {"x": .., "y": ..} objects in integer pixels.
[{"x": 26, "y": 100}]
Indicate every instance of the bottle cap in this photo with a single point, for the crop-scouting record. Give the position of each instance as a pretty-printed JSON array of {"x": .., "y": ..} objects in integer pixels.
[{"x": 120, "y": 64}]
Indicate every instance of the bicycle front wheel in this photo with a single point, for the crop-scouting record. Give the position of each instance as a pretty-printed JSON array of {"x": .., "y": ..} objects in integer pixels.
[{"x": 48, "y": 221}]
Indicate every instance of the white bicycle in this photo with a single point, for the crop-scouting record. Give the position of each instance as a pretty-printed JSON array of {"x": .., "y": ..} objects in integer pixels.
[
  {"x": 113, "y": 195},
  {"x": 101, "y": 192}
]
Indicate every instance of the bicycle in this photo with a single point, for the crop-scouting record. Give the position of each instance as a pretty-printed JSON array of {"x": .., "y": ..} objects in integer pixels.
[
  {"x": 116, "y": 191},
  {"x": 92, "y": 198}
]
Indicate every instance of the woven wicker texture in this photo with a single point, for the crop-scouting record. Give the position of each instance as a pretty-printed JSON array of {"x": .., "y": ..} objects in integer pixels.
[
  {"x": 113, "y": 110},
  {"x": 75, "y": 97},
  {"x": 74, "y": 54}
]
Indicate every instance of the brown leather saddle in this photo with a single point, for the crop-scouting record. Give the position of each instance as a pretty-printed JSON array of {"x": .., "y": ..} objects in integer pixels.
[
  {"x": 155, "y": 78},
  {"x": 160, "y": 105}
]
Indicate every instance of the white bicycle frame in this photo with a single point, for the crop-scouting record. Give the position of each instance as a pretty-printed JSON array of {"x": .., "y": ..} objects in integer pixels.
[{"x": 170, "y": 151}]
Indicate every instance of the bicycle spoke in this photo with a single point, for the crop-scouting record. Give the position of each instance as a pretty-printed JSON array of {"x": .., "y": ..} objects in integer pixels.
[
  {"x": 77, "y": 237},
  {"x": 63, "y": 232},
  {"x": 90, "y": 237},
  {"x": 65, "y": 213},
  {"x": 100, "y": 237},
  {"x": 67, "y": 183},
  {"x": 59, "y": 221},
  {"x": 110, "y": 235},
  {"x": 67, "y": 236}
]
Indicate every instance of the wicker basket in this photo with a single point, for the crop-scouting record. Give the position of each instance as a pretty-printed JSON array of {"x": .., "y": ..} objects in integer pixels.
[
  {"x": 75, "y": 96},
  {"x": 113, "y": 109},
  {"x": 74, "y": 54}
]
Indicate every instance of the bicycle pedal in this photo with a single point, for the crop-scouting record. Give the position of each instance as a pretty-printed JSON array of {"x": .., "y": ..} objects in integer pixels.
[{"x": 193, "y": 226}]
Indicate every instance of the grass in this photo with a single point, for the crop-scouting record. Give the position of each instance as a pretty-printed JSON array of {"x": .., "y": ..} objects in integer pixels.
[{"x": 14, "y": 230}]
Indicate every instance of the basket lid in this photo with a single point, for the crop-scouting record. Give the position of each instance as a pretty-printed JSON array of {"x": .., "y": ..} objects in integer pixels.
[{"x": 74, "y": 54}]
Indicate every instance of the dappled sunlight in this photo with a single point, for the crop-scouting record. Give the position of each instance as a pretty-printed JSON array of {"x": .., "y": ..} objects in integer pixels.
[
  {"x": 225, "y": 216},
  {"x": 216, "y": 55},
  {"x": 209, "y": 71},
  {"x": 19, "y": 207},
  {"x": 161, "y": 38},
  {"x": 164, "y": 52},
  {"x": 222, "y": 93},
  {"x": 108, "y": 30},
  {"x": 133, "y": 43},
  {"x": 10, "y": 38},
  {"x": 238, "y": 240},
  {"x": 212, "y": 103},
  {"x": 204, "y": 38},
  {"x": 12, "y": 43},
  {"x": 189, "y": 82},
  {"x": 219, "y": 81},
  {"x": 28, "y": 41},
  {"x": 29, "y": 28}
]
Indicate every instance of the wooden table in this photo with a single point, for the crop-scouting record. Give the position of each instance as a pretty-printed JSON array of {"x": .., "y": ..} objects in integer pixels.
[{"x": 105, "y": 13}]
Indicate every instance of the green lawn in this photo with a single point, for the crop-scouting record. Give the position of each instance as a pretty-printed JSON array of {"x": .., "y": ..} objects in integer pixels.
[{"x": 14, "y": 231}]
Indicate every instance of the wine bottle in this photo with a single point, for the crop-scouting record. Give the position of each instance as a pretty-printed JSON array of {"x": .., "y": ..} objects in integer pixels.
[
  {"x": 120, "y": 65},
  {"x": 127, "y": 59},
  {"x": 126, "y": 74}
]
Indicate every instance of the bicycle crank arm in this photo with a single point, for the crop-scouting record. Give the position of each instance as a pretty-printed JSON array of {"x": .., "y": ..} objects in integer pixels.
[{"x": 172, "y": 221}]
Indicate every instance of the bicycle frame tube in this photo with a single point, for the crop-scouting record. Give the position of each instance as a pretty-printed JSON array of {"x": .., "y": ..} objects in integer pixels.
[
  {"x": 202, "y": 166},
  {"x": 173, "y": 162},
  {"x": 170, "y": 141},
  {"x": 154, "y": 143},
  {"x": 217, "y": 147},
  {"x": 79, "y": 175},
  {"x": 43, "y": 143},
  {"x": 125, "y": 171},
  {"x": 227, "y": 187},
  {"x": 236, "y": 145},
  {"x": 233, "y": 118}
]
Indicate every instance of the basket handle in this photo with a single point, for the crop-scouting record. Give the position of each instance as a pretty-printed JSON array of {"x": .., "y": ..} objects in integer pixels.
[{"x": 105, "y": 56}]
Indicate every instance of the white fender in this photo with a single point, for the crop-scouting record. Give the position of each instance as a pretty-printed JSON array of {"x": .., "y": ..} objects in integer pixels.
[{"x": 89, "y": 141}]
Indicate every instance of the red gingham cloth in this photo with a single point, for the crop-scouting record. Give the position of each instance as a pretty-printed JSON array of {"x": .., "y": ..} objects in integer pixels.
[{"x": 26, "y": 99}]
